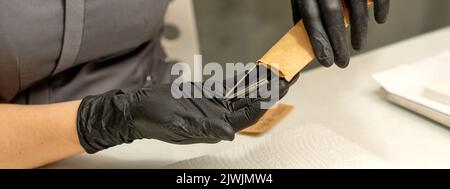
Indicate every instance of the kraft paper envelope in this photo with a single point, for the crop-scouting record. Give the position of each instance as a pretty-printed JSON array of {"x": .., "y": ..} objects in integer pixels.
[
  {"x": 269, "y": 120},
  {"x": 294, "y": 51}
]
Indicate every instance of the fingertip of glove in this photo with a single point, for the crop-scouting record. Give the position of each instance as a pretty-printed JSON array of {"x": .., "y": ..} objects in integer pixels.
[
  {"x": 381, "y": 19},
  {"x": 229, "y": 134},
  {"x": 343, "y": 62},
  {"x": 324, "y": 54},
  {"x": 358, "y": 45},
  {"x": 224, "y": 131},
  {"x": 343, "y": 65},
  {"x": 325, "y": 62}
]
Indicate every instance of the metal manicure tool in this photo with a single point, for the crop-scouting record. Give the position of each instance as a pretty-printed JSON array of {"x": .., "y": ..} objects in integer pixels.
[{"x": 248, "y": 82}]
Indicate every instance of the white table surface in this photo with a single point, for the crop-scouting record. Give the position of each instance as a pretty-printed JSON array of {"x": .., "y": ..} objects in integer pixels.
[{"x": 346, "y": 101}]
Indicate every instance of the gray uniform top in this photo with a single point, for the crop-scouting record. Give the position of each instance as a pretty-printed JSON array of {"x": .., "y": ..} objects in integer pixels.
[{"x": 60, "y": 50}]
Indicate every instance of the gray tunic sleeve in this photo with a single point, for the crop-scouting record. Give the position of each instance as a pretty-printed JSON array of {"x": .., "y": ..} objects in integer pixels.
[{"x": 53, "y": 50}]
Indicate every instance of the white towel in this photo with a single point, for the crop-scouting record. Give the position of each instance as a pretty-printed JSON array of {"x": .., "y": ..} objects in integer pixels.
[{"x": 305, "y": 147}]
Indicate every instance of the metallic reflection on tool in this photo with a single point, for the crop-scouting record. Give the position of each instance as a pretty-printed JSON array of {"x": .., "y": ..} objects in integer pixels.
[{"x": 249, "y": 82}]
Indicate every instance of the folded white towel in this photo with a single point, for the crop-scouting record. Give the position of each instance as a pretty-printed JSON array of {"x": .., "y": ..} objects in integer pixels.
[{"x": 305, "y": 147}]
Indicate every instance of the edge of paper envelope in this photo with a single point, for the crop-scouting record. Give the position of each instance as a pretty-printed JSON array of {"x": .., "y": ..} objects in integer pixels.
[
  {"x": 294, "y": 50},
  {"x": 270, "y": 119},
  {"x": 290, "y": 54}
]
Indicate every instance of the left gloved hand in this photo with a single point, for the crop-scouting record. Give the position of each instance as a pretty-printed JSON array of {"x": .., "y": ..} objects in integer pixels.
[
  {"x": 154, "y": 112},
  {"x": 324, "y": 23}
]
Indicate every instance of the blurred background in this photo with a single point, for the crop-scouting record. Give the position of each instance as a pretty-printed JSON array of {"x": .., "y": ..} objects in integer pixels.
[{"x": 243, "y": 30}]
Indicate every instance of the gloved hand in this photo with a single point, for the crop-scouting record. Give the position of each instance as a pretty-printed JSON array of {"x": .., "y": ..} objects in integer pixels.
[
  {"x": 324, "y": 23},
  {"x": 116, "y": 117}
]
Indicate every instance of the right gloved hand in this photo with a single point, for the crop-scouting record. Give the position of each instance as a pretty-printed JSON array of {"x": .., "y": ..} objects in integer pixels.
[
  {"x": 324, "y": 23},
  {"x": 116, "y": 117}
]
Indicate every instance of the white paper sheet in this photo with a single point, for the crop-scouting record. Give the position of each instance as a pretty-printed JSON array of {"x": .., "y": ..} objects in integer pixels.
[
  {"x": 438, "y": 90},
  {"x": 309, "y": 146},
  {"x": 409, "y": 81}
]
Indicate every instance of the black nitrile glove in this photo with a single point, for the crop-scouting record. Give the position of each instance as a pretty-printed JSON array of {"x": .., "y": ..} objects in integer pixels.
[
  {"x": 324, "y": 23},
  {"x": 116, "y": 117}
]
